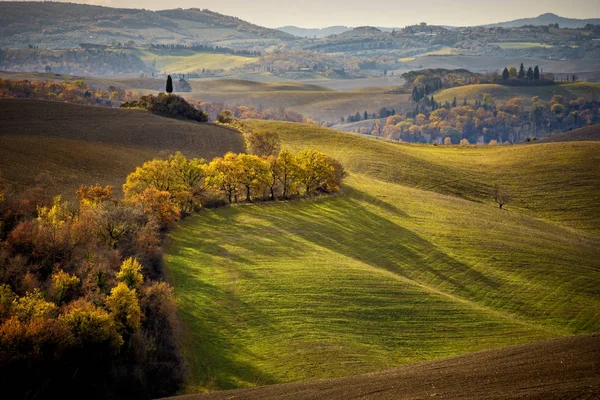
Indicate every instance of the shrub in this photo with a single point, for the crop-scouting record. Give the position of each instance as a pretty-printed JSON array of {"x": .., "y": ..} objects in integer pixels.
[
  {"x": 226, "y": 117},
  {"x": 168, "y": 106}
]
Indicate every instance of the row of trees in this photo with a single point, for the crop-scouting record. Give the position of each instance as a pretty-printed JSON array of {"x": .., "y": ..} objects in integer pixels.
[
  {"x": 199, "y": 48},
  {"x": 76, "y": 92},
  {"x": 383, "y": 113},
  {"x": 168, "y": 187},
  {"x": 531, "y": 74}
]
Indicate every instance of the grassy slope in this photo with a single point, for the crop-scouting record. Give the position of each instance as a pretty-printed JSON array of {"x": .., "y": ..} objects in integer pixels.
[
  {"x": 570, "y": 91},
  {"x": 192, "y": 61},
  {"x": 587, "y": 133},
  {"x": 388, "y": 273},
  {"x": 87, "y": 145}
]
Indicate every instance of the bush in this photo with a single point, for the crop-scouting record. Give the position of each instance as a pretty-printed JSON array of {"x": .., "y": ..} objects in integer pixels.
[
  {"x": 226, "y": 117},
  {"x": 171, "y": 106}
]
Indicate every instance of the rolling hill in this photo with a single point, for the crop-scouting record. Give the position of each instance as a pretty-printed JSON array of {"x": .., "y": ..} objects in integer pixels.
[
  {"x": 412, "y": 262},
  {"x": 558, "y": 369},
  {"x": 317, "y": 32},
  {"x": 82, "y": 145},
  {"x": 570, "y": 91},
  {"x": 52, "y": 25},
  {"x": 588, "y": 133}
]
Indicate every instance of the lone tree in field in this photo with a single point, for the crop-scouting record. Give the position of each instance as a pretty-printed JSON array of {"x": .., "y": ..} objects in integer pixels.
[
  {"x": 501, "y": 195},
  {"x": 169, "y": 84}
]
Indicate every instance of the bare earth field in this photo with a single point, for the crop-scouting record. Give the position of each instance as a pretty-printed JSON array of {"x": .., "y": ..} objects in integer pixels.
[
  {"x": 78, "y": 145},
  {"x": 567, "y": 368}
]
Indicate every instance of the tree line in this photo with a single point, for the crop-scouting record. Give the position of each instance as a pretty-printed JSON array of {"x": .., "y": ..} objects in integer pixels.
[
  {"x": 383, "y": 113},
  {"x": 485, "y": 119},
  {"x": 200, "y": 48}
]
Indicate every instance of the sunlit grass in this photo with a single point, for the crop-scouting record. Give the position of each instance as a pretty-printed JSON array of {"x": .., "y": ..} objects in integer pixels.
[{"x": 412, "y": 261}]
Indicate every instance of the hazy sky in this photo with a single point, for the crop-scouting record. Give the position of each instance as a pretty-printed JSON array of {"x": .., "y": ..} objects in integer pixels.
[{"x": 392, "y": 13}]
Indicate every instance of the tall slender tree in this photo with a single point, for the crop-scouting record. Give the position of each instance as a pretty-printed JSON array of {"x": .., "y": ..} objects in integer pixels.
[
  {"x": 536, "y": 73},
  {"x": 169, "y": 84},
  {"x": 505, "y": 74},
  {"x": 530, "y": 74},
  {"x": 521, "y": 72}
]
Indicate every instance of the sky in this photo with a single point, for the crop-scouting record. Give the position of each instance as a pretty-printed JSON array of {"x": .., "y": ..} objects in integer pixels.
[{"x": 387, "y": 13}]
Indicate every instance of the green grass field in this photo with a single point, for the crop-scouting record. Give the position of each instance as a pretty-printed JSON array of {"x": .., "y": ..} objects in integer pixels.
[
  {"x": 192, "y": 61},
  {"x": 412, "y": 261}
]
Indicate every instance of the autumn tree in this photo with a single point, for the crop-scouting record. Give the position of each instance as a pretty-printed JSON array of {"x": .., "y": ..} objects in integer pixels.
[
  {"x": 224, "y": 175},
  {"x": 190, "y": 174},
  {"x": 288, "y": 171},
  {"x": 501, "y": 195},
  {"x": 263, "y": 143},
  {"x": 158, "y": 205},
  {"x": 94, "y": 195},
  {"x": 124, "y": 308},
  {"x": 314, "y": 169},
  {"x": 253, "y": 172},
  {"x": 130, "y": 273}
]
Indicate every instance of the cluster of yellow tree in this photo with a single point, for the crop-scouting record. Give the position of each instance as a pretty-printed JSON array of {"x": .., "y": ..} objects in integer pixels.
[
  {"x": 75, "y": 309},
  {"x": 165, "y": 188}
]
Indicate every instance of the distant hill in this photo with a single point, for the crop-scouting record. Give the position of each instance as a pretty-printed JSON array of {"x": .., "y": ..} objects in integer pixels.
[
  {"x": 547, "y": 19},
  {"x": 47, "y": 24},
  {"x": 317, "y": 32},
  {"x": 320, "y": 33},
  {"x": 85, "y": 145}
]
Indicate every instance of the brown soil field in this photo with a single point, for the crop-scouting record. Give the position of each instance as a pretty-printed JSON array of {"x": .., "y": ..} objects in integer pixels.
[
  {"x": 566, "y": 368},
  {"x": 73, "y": 145},
  {"x": 585, "y": 134}
]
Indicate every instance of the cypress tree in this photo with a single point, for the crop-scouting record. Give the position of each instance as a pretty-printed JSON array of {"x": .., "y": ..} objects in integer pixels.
[
  {"x": 536, "y": 73},
  {"x": 521, "y": 72},
  {"x": 505, "y": 74},
  {"x": 366, "y": 115},
  {"x": 169, "y": 84},
  {"x": 530, "y": 74}
]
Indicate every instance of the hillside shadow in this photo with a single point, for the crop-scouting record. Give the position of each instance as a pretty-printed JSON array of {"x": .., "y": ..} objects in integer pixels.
[{"x": 214, "y": 356}]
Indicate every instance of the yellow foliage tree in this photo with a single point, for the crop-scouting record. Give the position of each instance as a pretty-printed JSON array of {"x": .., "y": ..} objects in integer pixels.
[
  {"x": 32, "y": 306},
  {"x": 315, "y": 169},
  {"x": 158, "y": 205},
  {"x": 287, "y": 171},
  {"x": 263, "y": 143},
  {"x": 131, "y": 273},
  {"x": 91, "y": 325},
  {"x": 224, "y": 173},
  {"x": 62, "y": 284},
  {"x": 253, "y": 173},
  {"x": 124, "y": 307}
]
